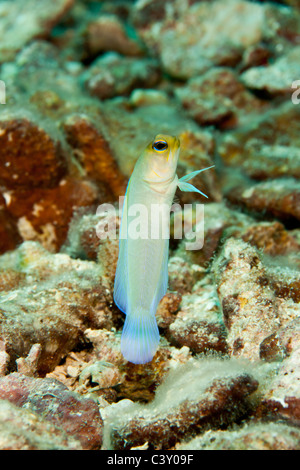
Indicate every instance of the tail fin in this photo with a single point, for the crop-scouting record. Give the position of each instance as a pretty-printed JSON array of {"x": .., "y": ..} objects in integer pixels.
[{"x": 140, "y": 338}]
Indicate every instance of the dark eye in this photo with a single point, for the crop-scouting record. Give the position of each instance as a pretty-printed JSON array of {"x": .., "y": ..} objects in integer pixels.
[{"x": 160, "y": 145}]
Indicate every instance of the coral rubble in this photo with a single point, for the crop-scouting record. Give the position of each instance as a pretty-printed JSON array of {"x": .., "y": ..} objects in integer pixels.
[{"x": 87, "y": 86}]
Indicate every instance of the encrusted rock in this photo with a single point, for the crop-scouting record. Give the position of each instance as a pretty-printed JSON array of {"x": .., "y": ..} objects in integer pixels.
[
  {"x": 191, "y": 38},
  {"x": 29, "y": 157},
  {"x": 251, "y": 309},
  {"x": 218, "y": 97},
  {"x": 198, "y": 323},
  {"x": 24, "y": 21},
  {"x": 277, "y": 78},
  {"x": 113, "y": 75},
  {"x": 271, "y": 237},
  {"x": 58, "y": 299},
  {"x": 252, "y": 436},
  {"x": 44, "y": 214},
  {"x": 9, "y": 236},
  {"x": 219, "y": 392},
  {"x": 267, "y": 146},
  {"x": 277, "y": 198},
  {"x": 282, "y": 399},
  {"x": 94, "y": 154},
  {"x": 22, "y": 429},
  {"x": 78, "y": 417},
  {"x": 107, "y": 33}
]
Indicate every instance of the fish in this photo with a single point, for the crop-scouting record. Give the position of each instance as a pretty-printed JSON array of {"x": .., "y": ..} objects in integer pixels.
[{"x": 141, "y": 278}]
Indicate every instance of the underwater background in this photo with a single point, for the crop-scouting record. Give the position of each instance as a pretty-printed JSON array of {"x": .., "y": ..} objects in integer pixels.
[{"x": 85, "y": 85}]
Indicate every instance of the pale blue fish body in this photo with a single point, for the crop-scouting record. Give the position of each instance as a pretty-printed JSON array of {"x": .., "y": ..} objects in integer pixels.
[{"x": 142, "y": 271}]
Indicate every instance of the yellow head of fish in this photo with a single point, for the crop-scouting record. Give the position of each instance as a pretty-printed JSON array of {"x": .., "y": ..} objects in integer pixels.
[{"x": 159, "y": 160}]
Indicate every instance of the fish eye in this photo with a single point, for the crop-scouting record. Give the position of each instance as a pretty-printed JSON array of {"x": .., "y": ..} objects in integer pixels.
[{"x": 160, "y": 145}]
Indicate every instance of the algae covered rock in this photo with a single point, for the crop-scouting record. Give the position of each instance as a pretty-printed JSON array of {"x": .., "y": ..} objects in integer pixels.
[
  {"x": 77, "y": 420},
  {"x": 220, "y": 393},
  {"x": 253, "y": 436},
  {"x": 88, "y": 84},
  {"x": 56, "y": 300}
]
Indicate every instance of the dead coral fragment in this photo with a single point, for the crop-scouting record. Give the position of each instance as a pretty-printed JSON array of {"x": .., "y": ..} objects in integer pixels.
[
  {"x": 251, "y": 309},
  {"x": 29, "y": 157},
  {"x": 78, "y": 417},
  {"x": 278, "y": 198},
  {"x": 252, "y": 436},
  {"x": 219, "y": 394}
]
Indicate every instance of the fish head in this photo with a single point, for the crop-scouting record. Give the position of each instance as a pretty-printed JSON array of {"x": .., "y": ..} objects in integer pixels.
[{"x": 161, "y": 157}]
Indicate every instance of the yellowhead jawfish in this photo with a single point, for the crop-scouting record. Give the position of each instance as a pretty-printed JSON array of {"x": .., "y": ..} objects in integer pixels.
[{"x": 142, "y": 271}]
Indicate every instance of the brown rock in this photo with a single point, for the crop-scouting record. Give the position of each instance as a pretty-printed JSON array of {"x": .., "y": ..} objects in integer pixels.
[
  {"x": 179, "y": 409},
  {"x": 167, "y": 309},
  {"x": 29, "y": 157},
  {"x": 56, "y": 300},
  {"x": 218, "y": 98},
  {"x": 281, "y": 399},
  {"x": 78, "y": 417},
  {"x": 279, "y": 198},
  {"x": 114, "y": 75},
  {"x": 276, "y": 78},
  {"x": 193, "y": 38},
  {"x": 94, "y": 154},
  {"x": 21, "y": 429},
  {"x": 254, "y": 435},
  {"x": 9, "y": 236},
  {"x": 271, "y": 237},
  {"x": 266, "y": 147},
  {"x": 251, "y": 309},
  {"x": 33, "y": 22},
  {"x": 107, "y": 33},
  {"x": 44, "y": 214}
]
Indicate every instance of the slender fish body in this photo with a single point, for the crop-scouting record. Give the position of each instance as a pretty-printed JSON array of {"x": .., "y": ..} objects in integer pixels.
[{"x": 142, "y": 271}]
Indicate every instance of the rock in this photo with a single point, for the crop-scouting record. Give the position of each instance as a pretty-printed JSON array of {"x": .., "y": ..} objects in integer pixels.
[
  {"x": 44, "y": 215},
  {"x": 78, "y": 417},
  {"x": 251, "y": 309},
  {"x": 107, "y": 33},
  {"x": 281, "y": 399},
  {"x": 179, "y": 410},
  {"x": 21, "y": 22},
  {"x": 190, "y": 39},
  {"x": 267, "y": 147},
  {"x": 218, "y": 223},
  {"x": 167, "y": 309},
  {"x": 94, "y": 153},
  {"x": 282, "y": 343},
  {"x": 144, "y": 97},
  {"x": 198, "y": 323},
  {"x": 252, "y": 436},
  {"x": 113, "y": 75},
  {"x": 276, "y": 78},
  {"x": 21, "y": 429},
  {"x": 56, "y": 301},
  {"x": 137, "y": 382},
  {"x": 130, "y": 130},
  {"x": 182, "y": 275},
  {"x": 277, "y": 198},
  {"x": 271, "y": 237},
  {"x": 9, "y": 236},
  {"x": 29, "y": 157},
  {"x": 218, "y": 98}
]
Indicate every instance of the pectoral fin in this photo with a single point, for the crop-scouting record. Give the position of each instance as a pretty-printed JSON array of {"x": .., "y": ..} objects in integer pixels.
[{"x": 187, "y": 187}]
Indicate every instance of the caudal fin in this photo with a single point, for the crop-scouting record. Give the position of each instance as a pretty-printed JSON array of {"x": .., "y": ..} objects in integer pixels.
[{"x": 140, "y": 338}]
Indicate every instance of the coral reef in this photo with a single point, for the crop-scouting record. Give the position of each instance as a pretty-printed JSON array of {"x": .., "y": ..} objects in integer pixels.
[{"x": 88, "y": 84}]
